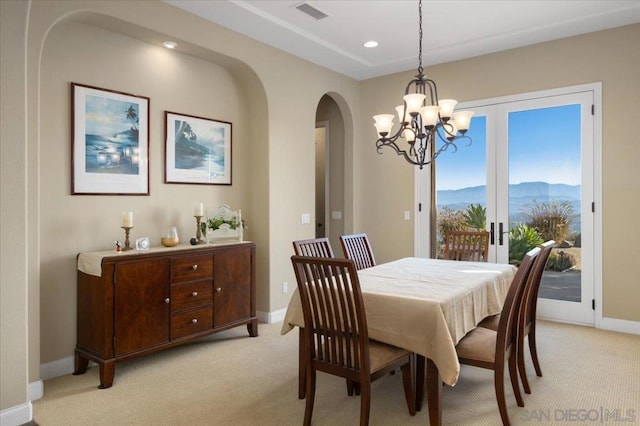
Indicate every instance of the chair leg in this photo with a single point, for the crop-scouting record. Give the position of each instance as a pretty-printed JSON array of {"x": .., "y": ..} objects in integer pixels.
[
  {"x": 408, "y": 381},
  {"x": 513, "y": 375},
  {"x": 310, "y": 394},
  {"x": 534, "y": 350},
  {"x": 365, "y": 402},
  {"x": 302, "y": 365},
  {"x": 521, "y": 367},
  {"x": 498, "y": 378},
  {"x": 351, "y": 386}
]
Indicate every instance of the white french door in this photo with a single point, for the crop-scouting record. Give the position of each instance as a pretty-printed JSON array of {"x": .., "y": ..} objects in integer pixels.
[{"x": 531, "y": 168}]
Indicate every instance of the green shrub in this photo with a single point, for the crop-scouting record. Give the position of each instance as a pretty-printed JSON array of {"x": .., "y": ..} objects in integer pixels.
[
  {"x": 560, "y": 261},
  {"x": 551, "y": 219},
  {"x": 522, "y": 238}
]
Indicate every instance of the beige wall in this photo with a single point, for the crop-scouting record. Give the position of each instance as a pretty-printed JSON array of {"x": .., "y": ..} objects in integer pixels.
[
  {"x": 14, "y": 336},
  {"x": 611, "y": 57},
  {"x": 272, "y": 98}
]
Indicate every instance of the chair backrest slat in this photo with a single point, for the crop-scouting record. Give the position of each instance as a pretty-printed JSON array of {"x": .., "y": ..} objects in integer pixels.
[
  {"x": 315, "y": 247},
  {"x": 466, "y": 245},
  {"x": 530, "y": 303},
  {"x": 358, "y": 248},
  {"x": 335, "y": 327},
  {"x": 508, "y": 325}
]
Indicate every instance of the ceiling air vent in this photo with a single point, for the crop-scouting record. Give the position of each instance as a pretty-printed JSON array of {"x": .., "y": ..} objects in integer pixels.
[{"x": 315, "y": 13}]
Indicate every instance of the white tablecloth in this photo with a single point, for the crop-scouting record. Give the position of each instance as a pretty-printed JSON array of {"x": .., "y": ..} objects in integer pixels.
[{"x": 426, "y": 305}]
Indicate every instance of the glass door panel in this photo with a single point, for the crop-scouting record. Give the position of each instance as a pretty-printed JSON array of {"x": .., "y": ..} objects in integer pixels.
[
  {"x": 461, "y": 184},
  {"x": 545, "y": 175}
]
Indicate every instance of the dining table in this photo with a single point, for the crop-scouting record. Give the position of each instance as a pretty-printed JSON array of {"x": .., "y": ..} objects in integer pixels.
[{"x": 425, "y": 306}]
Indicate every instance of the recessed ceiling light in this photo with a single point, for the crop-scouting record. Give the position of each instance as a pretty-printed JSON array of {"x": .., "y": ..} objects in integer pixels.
[
  {"x": 170, "y": 44},
  {"x": 371, "y": 43}
]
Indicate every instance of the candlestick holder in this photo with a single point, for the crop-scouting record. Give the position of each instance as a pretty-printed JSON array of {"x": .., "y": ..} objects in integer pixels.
[
  {"x": 127, "y": 243},
  {"x": 198, "y": 231}
]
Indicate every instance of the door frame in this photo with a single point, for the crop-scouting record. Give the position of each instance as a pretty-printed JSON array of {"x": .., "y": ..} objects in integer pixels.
[
  {"x": 424, "y": 183},
  {"x": 327, "y": 182}
]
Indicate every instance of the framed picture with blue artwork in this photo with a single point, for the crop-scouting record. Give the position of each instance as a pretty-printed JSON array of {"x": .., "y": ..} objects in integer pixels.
[
  {"x": 110, "y": 142},
  {"x": 197, "y": 150}
]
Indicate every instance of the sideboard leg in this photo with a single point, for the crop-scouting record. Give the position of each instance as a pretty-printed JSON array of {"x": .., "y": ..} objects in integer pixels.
[
  {"x": 107, "y": 371},
  {"x": 80, "y": 364},
  {"x": 252, "y": 328}
]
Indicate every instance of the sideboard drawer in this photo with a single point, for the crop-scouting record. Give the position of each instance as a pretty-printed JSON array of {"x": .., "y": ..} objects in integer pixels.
[
  {"x": 191, "y": 268},
  {"x": 191, "y": 322},
  {"x": 191, "y": 295}
]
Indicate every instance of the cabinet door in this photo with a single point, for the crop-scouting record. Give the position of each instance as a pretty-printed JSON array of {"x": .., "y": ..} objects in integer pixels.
[
  {"x": 232, "y": 283},
  {"x": 141, "y": 306}
]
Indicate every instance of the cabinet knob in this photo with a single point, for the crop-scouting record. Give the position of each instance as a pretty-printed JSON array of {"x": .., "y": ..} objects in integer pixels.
[
  {"x": 218, "y": 289},
  {"x": 195, "y": 320},
  {"x": 194, "y": 267},
  {"x": 167, "y": 300},
  {"x": 194, "y": 294}
]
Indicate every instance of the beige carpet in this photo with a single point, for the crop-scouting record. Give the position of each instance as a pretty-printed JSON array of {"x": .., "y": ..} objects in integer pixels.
[{"x": 590, "y": 377}]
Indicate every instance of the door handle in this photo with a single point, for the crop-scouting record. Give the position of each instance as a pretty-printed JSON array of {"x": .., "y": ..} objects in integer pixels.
[
  {"x": 500, "y": 234},
  {"x": 492, "y": 231}
]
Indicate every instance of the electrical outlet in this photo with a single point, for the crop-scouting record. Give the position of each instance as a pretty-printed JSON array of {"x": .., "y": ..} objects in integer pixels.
[
  {"x": 285, "y": 287},
  {"x": 407, "y": 215}
]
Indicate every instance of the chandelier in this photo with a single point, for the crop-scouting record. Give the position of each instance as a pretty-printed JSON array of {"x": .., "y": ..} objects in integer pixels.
[{"x": 425, "y": 121}]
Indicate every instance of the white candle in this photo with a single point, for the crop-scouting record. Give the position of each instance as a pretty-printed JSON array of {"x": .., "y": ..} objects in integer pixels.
[
  {"x": 127, "y": 219},
  {"x": 198, "y": 210}
]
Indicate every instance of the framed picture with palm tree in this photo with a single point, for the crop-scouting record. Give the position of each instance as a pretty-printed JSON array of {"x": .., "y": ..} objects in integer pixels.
[
  {"x": 197, "y": 150},
  {"x": 110, "y": 142}
]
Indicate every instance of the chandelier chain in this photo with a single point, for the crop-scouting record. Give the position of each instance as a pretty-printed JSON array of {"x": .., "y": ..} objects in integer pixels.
[{"x": 420, "y": 38}]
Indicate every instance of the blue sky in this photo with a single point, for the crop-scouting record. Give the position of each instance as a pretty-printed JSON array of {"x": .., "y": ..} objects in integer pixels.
[{"x": 549, "y": 153}]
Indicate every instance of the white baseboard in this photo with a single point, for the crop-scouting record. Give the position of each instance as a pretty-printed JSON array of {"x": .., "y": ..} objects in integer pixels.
[
  {"x": 18, "y": 415},
  {"x": 623, "y": 326},
  {"x": 64, "y": 366},
  {"x": 271, "y": 317},
  {"x": 57, "y": 368},
  {"x": 36, "y": 390}
]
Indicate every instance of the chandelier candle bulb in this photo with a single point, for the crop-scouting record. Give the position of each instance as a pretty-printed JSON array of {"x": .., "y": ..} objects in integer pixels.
[
  {"x": 384, "y": 123},
  {"x": 407, "y": 118},
  {"x": 414, "y": 102},
  {"x": 446, "y": 108},
  {"x": 429, "y": 115},
  {"x": 127, "y": 219},
  {"x": 463, "y": 120}
]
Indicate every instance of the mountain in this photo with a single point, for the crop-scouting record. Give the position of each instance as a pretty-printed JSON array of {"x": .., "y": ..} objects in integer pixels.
[
  {"x": 521, "y": 197},
  {"x": 526, "y": 191}
]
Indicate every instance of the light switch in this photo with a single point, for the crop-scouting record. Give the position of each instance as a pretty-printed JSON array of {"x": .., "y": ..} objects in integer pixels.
[
  {"x": 305, "y": 218},
  {"x": 336, "y": 215},
  {"x": 407, "y": 215}
]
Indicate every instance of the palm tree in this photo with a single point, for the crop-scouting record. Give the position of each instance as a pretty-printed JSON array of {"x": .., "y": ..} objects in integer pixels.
[
  {"x": 476, "y": 217},
  {"x": 132, "y": 116}
]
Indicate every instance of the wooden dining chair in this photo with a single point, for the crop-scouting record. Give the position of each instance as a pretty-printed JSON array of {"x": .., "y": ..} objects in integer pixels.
[
  {"x": 336, "y": 336},
  {"x": 493, "y": 350},
  {"x": 317, "y": 247},
  {"x": 466, "y": 245},
  {"x": 527, "y": 317},
  {"x": 358, "y": 248}
]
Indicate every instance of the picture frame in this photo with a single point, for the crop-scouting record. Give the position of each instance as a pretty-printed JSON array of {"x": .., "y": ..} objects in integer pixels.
[
  {"x": 110, "y": 142},
  {"x": 197, "y": 150}
]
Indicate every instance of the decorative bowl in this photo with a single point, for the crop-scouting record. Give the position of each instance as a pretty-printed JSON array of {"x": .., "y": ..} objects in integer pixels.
[{"x": 169, "y": 241}]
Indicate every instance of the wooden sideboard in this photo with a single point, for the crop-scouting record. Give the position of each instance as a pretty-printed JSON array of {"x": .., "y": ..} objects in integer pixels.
[{"x": 147, "y": 301}]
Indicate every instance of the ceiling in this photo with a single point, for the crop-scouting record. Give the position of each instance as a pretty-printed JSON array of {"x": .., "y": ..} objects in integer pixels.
[{"x": 452, "y": 29}]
